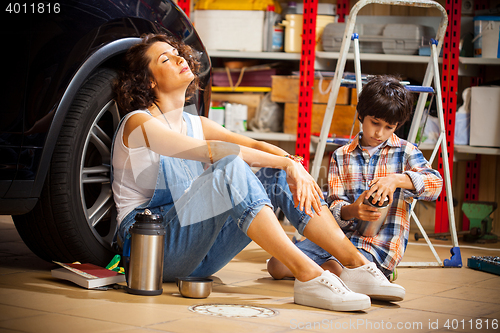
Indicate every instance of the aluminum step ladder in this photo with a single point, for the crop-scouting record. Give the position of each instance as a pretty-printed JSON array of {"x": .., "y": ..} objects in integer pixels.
[{"x": 431, "y": 75}]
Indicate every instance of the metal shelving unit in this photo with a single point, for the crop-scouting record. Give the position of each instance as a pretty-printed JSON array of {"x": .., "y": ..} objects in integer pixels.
[
  {"x": 272, "y": 136},
  {"x": 377, "y": 57},
  {"x": 451, "y": 62},
  {"x": 308, "y": 55},
  {"x": 254, "y": 55},
  {"x": 335, "y": 55}
]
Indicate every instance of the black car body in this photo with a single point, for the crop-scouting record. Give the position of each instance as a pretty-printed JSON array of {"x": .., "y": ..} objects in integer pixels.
[{"x": 59, "y": 116}]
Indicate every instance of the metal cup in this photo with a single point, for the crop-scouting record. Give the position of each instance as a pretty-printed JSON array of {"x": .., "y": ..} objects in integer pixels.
[
  {"x": 195, "y": 287},
  {"x": 371, "y": 228}
]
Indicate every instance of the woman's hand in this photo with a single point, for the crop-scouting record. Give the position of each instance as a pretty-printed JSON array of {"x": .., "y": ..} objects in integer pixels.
[
  {"x": 359, "y": 210},
  {"x": 306, "y": 192}
]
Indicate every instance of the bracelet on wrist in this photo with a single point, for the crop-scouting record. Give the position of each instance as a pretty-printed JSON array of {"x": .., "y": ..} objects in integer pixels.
[
  {"x": 210, "y": 153},
  {"x": 296, "y": 158}
]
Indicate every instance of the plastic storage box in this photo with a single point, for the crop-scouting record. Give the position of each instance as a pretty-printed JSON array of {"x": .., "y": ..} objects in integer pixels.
[
  {"x": 230, "y": 30},
  {"x": 380, "y": 38},
  {"x": 487, "y": 36}
]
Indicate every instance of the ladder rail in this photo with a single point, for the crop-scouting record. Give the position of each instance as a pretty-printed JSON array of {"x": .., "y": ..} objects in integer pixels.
[
  {"x": 431, "y": 74},
  {"x": 359, "y": 83},
  {"x": 344, "y": 49},
  {"x": 444, "y": 148}
]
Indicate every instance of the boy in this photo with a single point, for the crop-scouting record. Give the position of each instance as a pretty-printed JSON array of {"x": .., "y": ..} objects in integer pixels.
[{"x": 380, "y": 163}]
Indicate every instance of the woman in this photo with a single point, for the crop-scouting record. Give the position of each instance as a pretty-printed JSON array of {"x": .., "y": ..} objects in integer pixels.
[{"x": 211, "y": 215}]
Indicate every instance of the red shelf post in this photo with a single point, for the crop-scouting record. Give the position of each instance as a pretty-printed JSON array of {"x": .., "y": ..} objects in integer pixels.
[
  {"x": 449, "y": 95},
  {"x": 185, "y": 5},
  {"x": 308, "y": 55},
  {"x": 342, "y": 9}
]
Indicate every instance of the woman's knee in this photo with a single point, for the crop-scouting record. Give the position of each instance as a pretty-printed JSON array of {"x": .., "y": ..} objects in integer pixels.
[
  {"x": 230, "y": 162},
  {"x": 238, "y": 175},
  {"x": 271, "y": 176}
]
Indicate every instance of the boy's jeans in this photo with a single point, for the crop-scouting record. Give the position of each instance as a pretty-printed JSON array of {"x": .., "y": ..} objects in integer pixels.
[{"x": 320, "y": 256}]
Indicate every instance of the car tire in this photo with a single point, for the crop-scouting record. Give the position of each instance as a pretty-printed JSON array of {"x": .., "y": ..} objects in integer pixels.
[{"x": 75, "y": 219}]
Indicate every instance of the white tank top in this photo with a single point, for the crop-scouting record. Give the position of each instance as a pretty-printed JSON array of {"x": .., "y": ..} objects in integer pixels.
[{"x": 135, "y": 170}]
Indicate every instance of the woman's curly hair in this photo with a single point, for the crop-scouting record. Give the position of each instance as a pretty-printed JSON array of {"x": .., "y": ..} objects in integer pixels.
[{"x": 133, "y": 87}]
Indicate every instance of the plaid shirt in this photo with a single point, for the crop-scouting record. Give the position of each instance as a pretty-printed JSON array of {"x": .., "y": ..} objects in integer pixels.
[{"x": 352, "y": 169}]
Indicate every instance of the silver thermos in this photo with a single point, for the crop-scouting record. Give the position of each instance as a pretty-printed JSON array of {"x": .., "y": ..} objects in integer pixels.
[
  {"x": 147, "y": 242},
  {"x": 371, "y": 228}
]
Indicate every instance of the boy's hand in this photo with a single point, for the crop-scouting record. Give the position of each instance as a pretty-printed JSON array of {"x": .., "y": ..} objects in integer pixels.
[
  {"x": 383, "y": 187},
  {"x": 360, "y": 211}
]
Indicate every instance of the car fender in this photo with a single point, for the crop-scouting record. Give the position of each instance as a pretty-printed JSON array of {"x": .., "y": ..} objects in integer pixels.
[{"x": 93, "y": 62}]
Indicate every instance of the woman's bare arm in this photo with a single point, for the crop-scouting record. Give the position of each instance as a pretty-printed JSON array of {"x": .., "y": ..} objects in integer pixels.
[
  {"x": 142, "y": 130},
  {"x": 214, "y": 131}
]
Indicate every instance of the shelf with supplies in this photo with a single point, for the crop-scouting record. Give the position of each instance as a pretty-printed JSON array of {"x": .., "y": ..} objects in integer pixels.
[
  {"x": 321, "y": 55},
  {"x": 241, "y": 89},
  {"x": 478, "y": 61},
  {"x": 254, "y": 55},
  {"x": 376, "y": 57},
  {"x": 466, "y": 149},
  {"x": 477, "y": 150},
  {"x": 406, "y": 58},
  {"x": 463, "y": 149},
  {"x": 335, "y": 55},
  {"x": 271, "y": 136}
]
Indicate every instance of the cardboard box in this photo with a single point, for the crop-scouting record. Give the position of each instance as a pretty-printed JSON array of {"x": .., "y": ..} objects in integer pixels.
[
  {"x": 485, "y": 117},
  {"x": 285, "y": 89},
  {"x": 354, "y": 97},
  {"x": 230, "y": 30},
  {"x": 252, "y": 100},
  {"x": 341, "y": 123}
]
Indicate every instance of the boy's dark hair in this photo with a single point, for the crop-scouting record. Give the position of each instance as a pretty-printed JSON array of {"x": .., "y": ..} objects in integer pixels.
[{"x": 383, "y": 97}]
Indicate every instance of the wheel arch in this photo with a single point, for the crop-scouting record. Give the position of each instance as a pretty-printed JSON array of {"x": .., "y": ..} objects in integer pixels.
[{"x": 104, "y": 54}]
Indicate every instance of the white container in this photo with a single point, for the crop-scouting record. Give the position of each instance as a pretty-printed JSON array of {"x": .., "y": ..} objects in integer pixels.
[
  {"x": 273, "y": 32},
  {"x": 485, "y": 116},
  {"x": 293, "y": 31},
  {"x": 486, "y": 36},
  {"x": 217, "y": 114},
  {"x": 236, "y": 117},
  {"x": 230, "y": 30}
]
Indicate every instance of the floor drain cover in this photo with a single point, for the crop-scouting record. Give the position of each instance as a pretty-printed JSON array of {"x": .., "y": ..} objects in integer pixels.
[{"x": 233, "y": 310}]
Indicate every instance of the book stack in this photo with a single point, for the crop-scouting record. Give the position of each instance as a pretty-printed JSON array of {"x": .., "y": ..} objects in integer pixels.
[{"x": 89, "y": 276}]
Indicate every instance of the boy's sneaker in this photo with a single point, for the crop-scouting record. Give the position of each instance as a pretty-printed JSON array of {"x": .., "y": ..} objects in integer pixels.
[
  {"x": 369, "y": 280},
  {"x": 327, "y": 291}
]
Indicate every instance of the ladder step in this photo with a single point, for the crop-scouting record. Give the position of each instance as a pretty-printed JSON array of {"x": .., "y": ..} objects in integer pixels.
[{"x": 420, "y": 89}]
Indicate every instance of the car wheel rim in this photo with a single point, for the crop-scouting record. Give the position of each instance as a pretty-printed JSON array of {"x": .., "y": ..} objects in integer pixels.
[{"x": 95, "y": 171}]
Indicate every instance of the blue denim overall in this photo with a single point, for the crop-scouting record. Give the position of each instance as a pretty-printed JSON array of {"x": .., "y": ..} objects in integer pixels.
[{"x": 207, "y": 212}]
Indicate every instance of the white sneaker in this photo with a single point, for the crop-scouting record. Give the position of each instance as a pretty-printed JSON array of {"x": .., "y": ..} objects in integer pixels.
[
  {"x": 369, "y": 280},
  {"x": 327, "y": 291}
]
